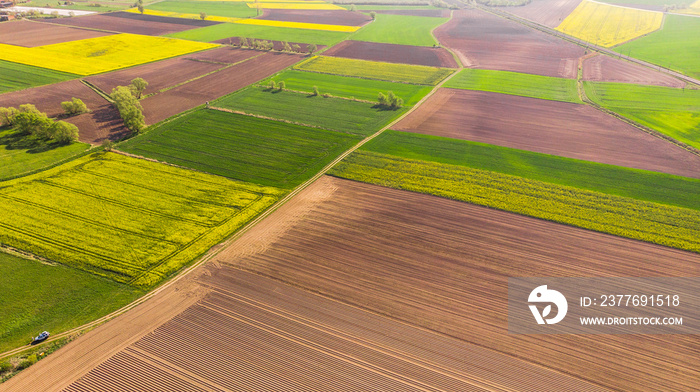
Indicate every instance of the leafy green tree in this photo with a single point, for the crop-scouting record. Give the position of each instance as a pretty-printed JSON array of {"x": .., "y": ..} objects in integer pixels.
[
  {"x": 74, "y": 106},
  {"x": 373, "y": 15},
  {"x": 296, "y": 48},
  {"x": 203, "y": 15},
  {"x": 63, "y": 132},
  {"x": 316, "y": 93},
  {"x": 272, "y": 85},
  {"x": 287, "y": 48},
  {"x": 7, "y": 116},
  {"x": 138, "y": 86},
  {"x": 31, "y": 121},
  {"x": 108, "y": 145},
  {"x": 281, "y": 85},
  {"x": 353, "y": 8},
  {"x": 129, "y": 108},
  {"x": 311, "y": 48},
  {"x": 383, "y": 101},
  {"x": 139, "y": 5},
  {"x": 243, "y": 42}
]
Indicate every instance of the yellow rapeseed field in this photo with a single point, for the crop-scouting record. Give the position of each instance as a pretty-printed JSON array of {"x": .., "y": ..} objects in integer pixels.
[
  {"x": 171, "y": 14},
  {"x": 102, "y": 54},
  {"x": 296, "y": 6},
  {"x": 298, "y": 25},
  {"x": 693, "y": 9},
  {"x": 608, "y": 25}
]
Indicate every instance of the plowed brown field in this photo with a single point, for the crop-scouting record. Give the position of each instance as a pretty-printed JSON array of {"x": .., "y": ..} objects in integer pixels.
[
  {"x": 392, "y": 53},
  {"x": 100, "y": 124},
  {"x": 30, "y": 34},
  {"x": 442, "y": 13},
  {"x": 331, "y": 17},
  {"x": 550, "y": 127},
  {"x": 171, "y": 72},
  {"x": 482, "y": 40},
  {"x": 256, "y": 334},
  {"x": 48, "y": 98},
  {"x": 197, "y": 92},
  {"x": 607, "y": 69},
  {"x": 443, "y": 265},
  {"x": 546, "y": 12},
  {"x": 127, "y": 22}
]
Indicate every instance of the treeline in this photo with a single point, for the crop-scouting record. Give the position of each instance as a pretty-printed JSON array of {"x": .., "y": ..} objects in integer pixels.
[
  {"x": 30, "y": 121},
  {"x": 126, "y": 100},
  {"x": 258, "y": 44}
]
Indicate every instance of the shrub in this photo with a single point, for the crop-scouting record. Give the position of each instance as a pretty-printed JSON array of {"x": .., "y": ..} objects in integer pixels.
[
  {"x": 63, "y": 132},
  {"x": 315, "y": 91},
  {"x": 6, "y": 367},
  {"x": 281, "y": 85},
  {"x": 7, "y": 116},
  {"x": 29, "y": 361},
  {"x": 74, "y": 106}
]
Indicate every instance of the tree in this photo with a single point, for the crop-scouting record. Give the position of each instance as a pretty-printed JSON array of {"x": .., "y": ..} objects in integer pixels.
[
  {"x": 63, "y": 132},
  {"x": 129, "y": 108},
  {"x": 286, "y": 47},
  {"x": 390, "y": 100},
  {"x": 373, "y": 15},
  {"x": 382, "y": 99},
  {"x": 74, "y": 106},
  {"x": 272, "y": 85},
  {"x": 139, "y": 5},
  {"x": 202, "y": 15},
  {"x": 7, "y": 116},
  {"x": 243, "y": 42},
  {"x": 296, "y": 48},
  {"x": 353, "y": 8},
  {"x": 315, "y": 94},
  {"x": 311, "y": 48},
  {"x": 31, "y": 121},
  {"x": 138, "y": 86},
  {"x": 108, "y": 145},
  {"x": 281, "y": 85}
]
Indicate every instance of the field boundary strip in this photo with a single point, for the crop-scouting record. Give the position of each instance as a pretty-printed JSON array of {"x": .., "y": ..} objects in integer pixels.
[{"x": 219, "y": 247}]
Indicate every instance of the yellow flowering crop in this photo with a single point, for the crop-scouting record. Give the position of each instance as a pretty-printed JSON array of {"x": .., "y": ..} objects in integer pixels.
[
  {"x": 608, "y": 25},
  {"x": 296, "y": 6},
  {"x": 102, "y": 54},
  {"x": 298, "y": 25},
  {"x": 693, "y": 9}
]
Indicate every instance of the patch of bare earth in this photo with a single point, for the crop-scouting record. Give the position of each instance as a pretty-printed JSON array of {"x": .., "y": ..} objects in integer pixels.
[
  {"x": 392, "y": 53},
  {"x": 31, "y": 34},
  {"x": 607, "y": 69},
  {"x": 545, "y": 12}
]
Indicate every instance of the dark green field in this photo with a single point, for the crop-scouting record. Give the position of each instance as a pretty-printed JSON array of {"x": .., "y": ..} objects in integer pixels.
[
  {"x": 36, "y": 297},
  {"x": 213, "y": 8},
  {"x": 330, "y": 113},
  {"x": 349, "y": 87},
  {"x": 614, "y": 180},
  {"x": 15, "y": 76},
  {"x": 246, "y": 148}
]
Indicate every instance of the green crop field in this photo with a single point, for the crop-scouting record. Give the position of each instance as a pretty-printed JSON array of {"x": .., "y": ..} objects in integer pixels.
[
  {"x": 349, "y": 87},
  {"x": 21, "y": 154},
  {"x": 402, "y": 73},
  {"x": 336, "y": 114},
  {"x": 216, "y": 8},
  {"x": 675, "y": 46},
  {"x": 36, "y": 296},
  {"x": 227, "y": 30},
  {"x": 673, "y": 112},
  {"x": 14, "y": 76},
  {"x": 657, "y": 223},
  {"x": 400, "y": 29},
  {"x": 242, "y": 147},
  {"x": 615, "y": 180},
  {"x": 127, "y": 219},
  {"x": 514, "y": 83}
]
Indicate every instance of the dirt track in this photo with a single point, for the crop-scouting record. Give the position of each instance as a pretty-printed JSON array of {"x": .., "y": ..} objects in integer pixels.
[
  {"x": 482, "y": 40},
  {"x": 607, "y": 69},
  {"x": 550, "y": 127},
  {"x": 195, "y": 93},
  {"x": 331, "y": 17},
  {"x": 132, "y": 23},
  {"x": 546, "y": 12},
  {"x": 391, "y": 53},
  {"x": 31, "y": 34}
]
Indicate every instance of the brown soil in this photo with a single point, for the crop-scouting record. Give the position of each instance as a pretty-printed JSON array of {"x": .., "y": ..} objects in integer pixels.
[
  {"x": 607, "y": 69},
  {"x": 161, "y": 74},
  {"x": 331, "y": 17},
  {"x": 195, "y": 93},
  {"x": 31, "y": 34},
  {"x": 546, "y": 12},
  {"x": 429, "y": 13},
  {"x": 132, "y": 23},
  {"x": 48, "y": 98},
  {"x": 550, "y": 127},
  {"x": 277, "y": 45},
  {"x": 486, "y": 41},
  {"x": 257, "y": 334},
  {"x": 99, "y": 125},
  {"x": 392, "y": 53},
  {"x": 444, "y": 265}
]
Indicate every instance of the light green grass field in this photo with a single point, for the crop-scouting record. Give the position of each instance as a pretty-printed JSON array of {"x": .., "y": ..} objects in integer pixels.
[
  {"x": 349, "y": 87},
  {"x": 217, "y": 8},
  {"x": 390, "y": 72},
  {"x": 400, "y": 29},
  {"x": 227, "y": 30},
  {"x": 673, "y": 112},
  {"x": 127, "y": 219},
  {"x": 336, "y": 114},
  {"x": 25, "y": 154},
  {"x": 615, "y": 180},
  {"x": 242, "y": 147},
  {"x": 656, "y": 223},
  {"x": 38, "y": 297},
  {"x": 14, "y": 76},
  {"x": 675, "y": 46},
  {"x": 514, "y": 83}
]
